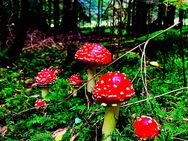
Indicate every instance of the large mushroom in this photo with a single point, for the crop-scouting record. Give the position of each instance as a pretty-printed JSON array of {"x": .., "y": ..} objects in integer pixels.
[
  {"x": 44, "y": 78},
  {"x": 75, "y": 81},
  {"x": 94, "y": 55},
  {"x": 110, "y": 90},
  {"x": 146, "y": 127}
]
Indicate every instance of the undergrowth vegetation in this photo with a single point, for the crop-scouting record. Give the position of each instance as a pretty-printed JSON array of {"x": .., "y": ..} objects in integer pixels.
[{"x": 167, "y": 101}]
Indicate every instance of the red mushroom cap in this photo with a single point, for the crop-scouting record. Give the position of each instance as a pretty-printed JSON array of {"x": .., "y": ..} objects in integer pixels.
[
  {"x": 93, "y": 53},
  {"x": 39, "y": 103},
  {"x": 75, "y": 80},
  {"x": 146, "y": 127},
  {"x": 113, "y": 88},
  {"x": 45, "y": 77}
]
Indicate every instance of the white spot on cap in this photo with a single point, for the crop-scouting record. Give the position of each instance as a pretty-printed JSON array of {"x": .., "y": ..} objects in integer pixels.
[
  {"x": 121, "y": 93},
  {"x": 98, "y": 97},
  {"x": 112, "y": 96},
  {"x": 108, "y": 86},
  {"x": 149, "y": 121},
  {"x": 102, "y": 81},
  {"x": 115, "y": 86},
  {"x": 129, "y": 95},
  {"x": 127, "y": 88},
  {"x": 99, "y": 89}
]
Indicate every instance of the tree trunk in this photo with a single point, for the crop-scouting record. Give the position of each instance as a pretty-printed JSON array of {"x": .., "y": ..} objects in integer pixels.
[
  {"x": 141, "y": 18},
  {"x": 49, "y": 12},
  {"x": 56, "y": 18},
  {"x": 4, "y": 17},
  {"x": 129, "y": 18},
  {"x": 170, "y": 15},
  {"x": 160, "y": 16},
  {"x": 69, "y": 18},
  {"x": 98, "y": 15},
  {"x": 12, "y": 52},
  {"x": 133, "y": 16}
]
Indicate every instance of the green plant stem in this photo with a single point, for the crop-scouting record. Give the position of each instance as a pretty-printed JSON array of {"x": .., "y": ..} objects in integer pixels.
[
  {"x": 91, "y": 71},
  {"x": 45, "y": 92},
  {"x": 110, "y": 119}
]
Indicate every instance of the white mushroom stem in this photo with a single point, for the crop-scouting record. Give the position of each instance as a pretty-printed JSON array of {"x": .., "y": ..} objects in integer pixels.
[
  {"x": 110, "y": 119},
  {"x": 45, "y": 91},
  {"x": 91, "y": 71}
]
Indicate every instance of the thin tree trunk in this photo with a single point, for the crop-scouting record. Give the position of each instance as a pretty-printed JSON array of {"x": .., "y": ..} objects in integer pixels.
[
  {"x": 129, "y": 18},
  {"x": 3, "y": 22},
  {"x": 181, "y": 14},
  {"x": 160, "y": 16},
  {"x": 49, "y": 12},
  {"x": 141, "y": 18},
  {"x": 69, "y": 18},
  {"x": 169, "y": 16},
  {"x": 98, "y": 15},
  {"x": 56, "y": 18},
  {"x": 133, "y": 15},
  {"x": 20, "y": 33}
]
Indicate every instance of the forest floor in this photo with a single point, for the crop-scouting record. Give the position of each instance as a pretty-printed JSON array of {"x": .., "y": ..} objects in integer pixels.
[{"x": 159, "y": 79}]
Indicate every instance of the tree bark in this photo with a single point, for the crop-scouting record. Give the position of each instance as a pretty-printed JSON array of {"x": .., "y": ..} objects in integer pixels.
[
  {"x": 129, "y": 18},
  {"x": 56, "y": 18},
  {"x": 49, "y": 12},
  {"x": 3, "y": 22},
  {"x": 69, "y": 17},
  {"x": 12, "y": 52},
  {"x": 141, "y": 18},
  {"x": 169, "y": 16}
]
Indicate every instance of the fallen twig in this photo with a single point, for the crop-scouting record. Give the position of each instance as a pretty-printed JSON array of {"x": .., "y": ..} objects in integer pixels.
[{"x": 143, "y": 100}]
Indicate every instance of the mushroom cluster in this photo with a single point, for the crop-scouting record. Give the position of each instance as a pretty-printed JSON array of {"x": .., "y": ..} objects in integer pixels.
[
  {"x": 44, "y": 78},
  {"x": 110, "y": 90},
  {"x": 94, "y": 55}
]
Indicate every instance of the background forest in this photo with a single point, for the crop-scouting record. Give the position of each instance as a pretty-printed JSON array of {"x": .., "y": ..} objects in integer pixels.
[{"x": 148, "y": 41}]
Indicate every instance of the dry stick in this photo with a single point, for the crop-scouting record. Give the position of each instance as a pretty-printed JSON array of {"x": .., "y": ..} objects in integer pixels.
[
  {"x": 40, "y": 44},
  {"x": 143, "y": 62},
  {"x": 138, "y": 46},
  {"x": 135, "y": 75},
  {"x": 180, "y": 139},
  {"x": 143, "y": 58},
  {"x": 143, "y": 100}
]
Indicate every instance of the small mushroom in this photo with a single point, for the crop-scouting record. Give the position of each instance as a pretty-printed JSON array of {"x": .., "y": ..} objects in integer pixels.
[
  {"x": 44, "y": 78},
  {"x": 110, "y": 90},
  {"x": 146, "y": 127},
  {"x": 75, "y": 81},
  {"x": 94, "y": 55},
  {"x": 39, "y": 103}
]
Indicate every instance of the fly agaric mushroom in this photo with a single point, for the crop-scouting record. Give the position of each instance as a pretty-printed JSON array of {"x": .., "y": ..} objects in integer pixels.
[
  {"x": 110, "y": 90},
  {"x": 146, "y": 127},
  {"x": 75, "y": 81},
  {"x": 44, "y": 78},
  {"x": 93, "y": 54},
  {"x": 39, "y": 103}
]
